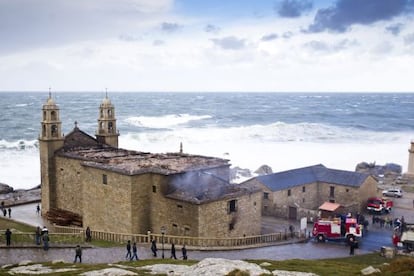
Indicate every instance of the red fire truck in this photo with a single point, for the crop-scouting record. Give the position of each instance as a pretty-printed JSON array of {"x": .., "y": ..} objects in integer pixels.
[
  {"x": 379, "y": 205},
  {"x": 337, "y": 229}
]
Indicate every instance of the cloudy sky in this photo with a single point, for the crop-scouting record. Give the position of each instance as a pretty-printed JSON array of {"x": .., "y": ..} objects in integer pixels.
[{"x": 214, "y": 45}]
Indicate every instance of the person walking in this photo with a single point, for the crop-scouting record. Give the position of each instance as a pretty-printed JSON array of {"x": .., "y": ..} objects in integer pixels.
[
  {"x": 88, "y": 234},
  {"x": 45, "y": 238},
  {"x": 8, "y": 234},
  {"x": 9, "y": 210},
  {"x": 128, "y": 248},
  {"x": 78, "y": 254},
  {"x": 173, "y": 251},
  {"x": 38, "y": 234},
  {"x": 184, "y": 252},
  {"x": 154, "y": 247},
  {"x": 134, "y": 251},
  {"x": 38, "y": 209}
]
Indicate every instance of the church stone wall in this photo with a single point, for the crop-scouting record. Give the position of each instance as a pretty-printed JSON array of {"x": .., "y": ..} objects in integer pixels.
[
  {"x": 107, "y": 207},
  {"x": 216, "y": 219},
  {"x": 141, "y": 203},
  {"x": 69, "y": 194},
  {"x": 176, "y": 216}
]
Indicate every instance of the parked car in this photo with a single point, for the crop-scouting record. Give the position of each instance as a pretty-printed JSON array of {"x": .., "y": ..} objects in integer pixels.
[{"x": 392, "y": 192}]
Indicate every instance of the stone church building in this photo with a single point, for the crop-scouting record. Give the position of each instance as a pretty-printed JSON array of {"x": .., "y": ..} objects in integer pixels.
[{"x": 124, "y": 191}]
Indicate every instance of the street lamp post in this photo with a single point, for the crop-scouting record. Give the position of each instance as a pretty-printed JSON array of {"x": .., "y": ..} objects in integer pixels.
[{"x": 162, "y": 233}]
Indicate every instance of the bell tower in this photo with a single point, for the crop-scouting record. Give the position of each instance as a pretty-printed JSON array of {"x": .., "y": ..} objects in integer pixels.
[
  {"x": 107, "y": 132},
  {"x": 50, "y": 140}
]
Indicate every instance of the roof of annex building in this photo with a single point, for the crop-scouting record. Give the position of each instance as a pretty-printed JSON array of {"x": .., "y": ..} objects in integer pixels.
[{"x": 312, "y": 174}]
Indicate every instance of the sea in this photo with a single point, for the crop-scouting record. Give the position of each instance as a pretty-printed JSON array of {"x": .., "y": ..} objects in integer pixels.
[{"x": 282, "y": 130}]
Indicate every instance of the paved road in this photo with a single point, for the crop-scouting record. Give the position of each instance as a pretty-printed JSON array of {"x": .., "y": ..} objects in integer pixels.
[{"x": 373, "y": 241}]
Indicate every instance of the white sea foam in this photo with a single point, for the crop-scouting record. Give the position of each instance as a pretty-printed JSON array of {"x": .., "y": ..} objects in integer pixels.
[
  {"x": 19, "y": 144},
  {"x": 279, "y": 145},
  {"x": 166, "y": 121}
]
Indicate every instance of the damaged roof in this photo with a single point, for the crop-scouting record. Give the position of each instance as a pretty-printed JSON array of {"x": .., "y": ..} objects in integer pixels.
[
  {"x": 134, "y": 162},
  {"x": 80, "y": 145},
  {"x": 202, "y": 187}
]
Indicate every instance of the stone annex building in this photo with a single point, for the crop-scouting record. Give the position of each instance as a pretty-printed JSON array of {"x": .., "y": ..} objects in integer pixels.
[
  {"x": 300, "y": 192},
  {"x": 124, "y": 191}
]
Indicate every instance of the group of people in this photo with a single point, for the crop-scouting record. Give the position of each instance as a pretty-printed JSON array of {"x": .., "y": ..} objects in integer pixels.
[
  {"x": 5, "y": 210},
  {"x": 173, "y": 255},
  {"x": 42, "y": 235}
]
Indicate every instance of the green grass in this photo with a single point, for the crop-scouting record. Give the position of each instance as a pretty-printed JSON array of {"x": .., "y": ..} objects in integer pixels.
[
  {"x": 20, "y": 227},
  {"x": 341, "y": 266}
]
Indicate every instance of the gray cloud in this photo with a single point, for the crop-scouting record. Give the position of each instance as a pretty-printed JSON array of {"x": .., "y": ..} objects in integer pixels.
[
  {"x": 129, "y": 38},
  {"x": 293, "y": 8},
  {"x": 321, "y": 46},
  {"x": 287, "y": 35},
  {"x": 269, "y": 37},
  {"x": 158, "y": 42},
  {"x": 210, "y": 28},
  {"x": 348, "y": 12},
  {"x": 409, "y": 39},
  {"x": 229, "y": 43},
  {"x": 170, "y": 27},
  {"x": 32, "y": 24},
  {"x": 394, "y": 29}
]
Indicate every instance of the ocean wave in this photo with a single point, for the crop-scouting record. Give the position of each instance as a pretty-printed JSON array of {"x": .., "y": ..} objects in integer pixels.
[
  {"x": 278, "y": 132},
  {"x": 19, "y": 144},
  {"x": 166, "y": 121}
]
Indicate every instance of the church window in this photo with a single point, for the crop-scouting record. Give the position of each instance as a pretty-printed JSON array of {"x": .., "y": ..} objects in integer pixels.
[
  {"x": 44, "y": 115},
  {"x": 347, "y": 190},
  {"x": 61, "y": 169},
  {"x": 303, "y": 189},
  {"x": 174, "y": 225},
  {"x": 154, "y": 189},
  {"x": 104, "y": 179},
  {"x": 231, "y": 226},
  {"x": 265, "y": 195},
  {"x": 44, "y": 131},
  {"x": 232, "y": 204},
  {"x": 109, "y": 113},
  {"x": 110, "y": 127},
  {"x": 53, "y": 115},
  {"x": 54, "y": 131},
  {"x": 289, "y": 192},
  {"x": 180, "y": 206}
]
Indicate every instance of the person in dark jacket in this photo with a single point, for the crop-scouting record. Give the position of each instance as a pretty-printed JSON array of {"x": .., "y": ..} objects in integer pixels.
[
  {"x": 184, "y": 252},
  {"x": 154, "y": 248},
  {"x": 128, "y": 248},
  {"x": 173, "y": 251},
  {"x": 78, "y": 254},
  {"x": 8, "y": 234}
]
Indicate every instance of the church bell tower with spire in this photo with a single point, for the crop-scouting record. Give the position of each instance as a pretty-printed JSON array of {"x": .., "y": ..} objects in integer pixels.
[
  {"x": 107, "y": 132},
  {"x": 50, "y": 140}
]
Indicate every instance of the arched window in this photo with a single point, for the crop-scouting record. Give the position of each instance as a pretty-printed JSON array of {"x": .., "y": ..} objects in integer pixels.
[
  {"x": 53, "y": 116},
  {"x": 109, "y": 113},
  {"x": 110, "y": 127},
  {"x": 44, "y": 115},
  {"x": 54, "y": 131},
  {"x": 43, "y": 131}
]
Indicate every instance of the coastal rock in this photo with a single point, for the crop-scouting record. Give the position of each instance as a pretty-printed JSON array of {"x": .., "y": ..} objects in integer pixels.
[
  {"x": 238, "y": 174},
  {"x": 5, "y": 189},
  {"x": 370, "y": 270},
  {"x": 208, "y": 267},
  {"x": 263, "y": 170},
  {"x": 109, "y": 271},
  {"x": 376, "y": 170}
]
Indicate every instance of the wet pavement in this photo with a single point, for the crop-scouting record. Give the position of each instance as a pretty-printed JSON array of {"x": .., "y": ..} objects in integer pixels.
[{"x": 373, "y": 241}]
